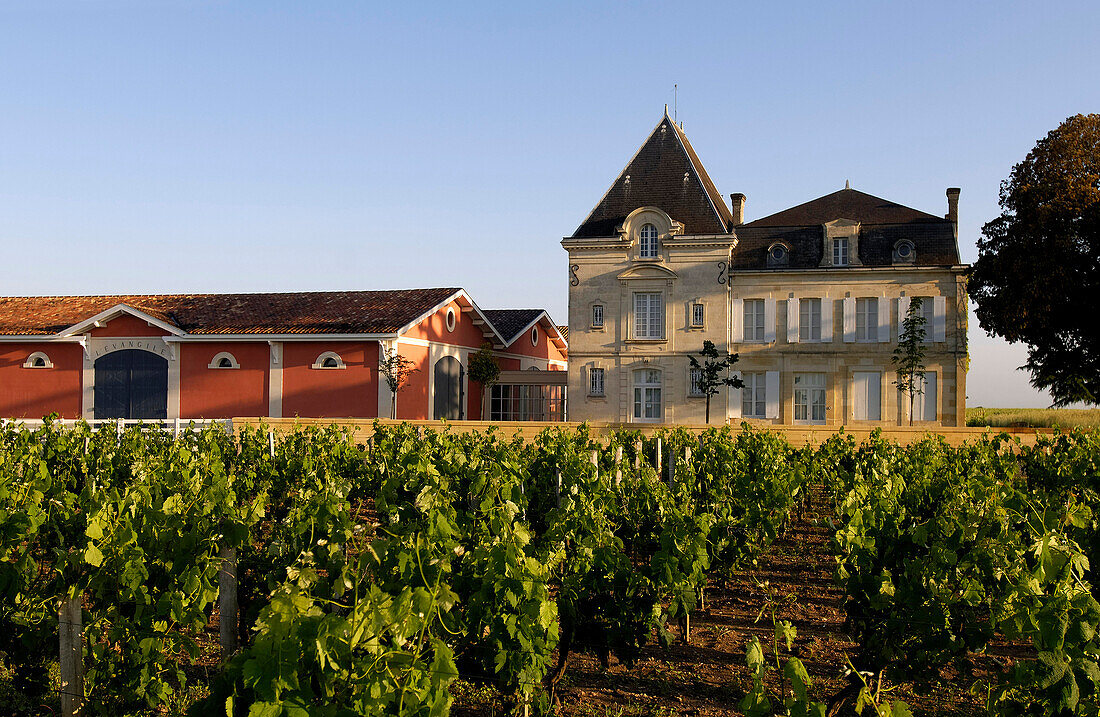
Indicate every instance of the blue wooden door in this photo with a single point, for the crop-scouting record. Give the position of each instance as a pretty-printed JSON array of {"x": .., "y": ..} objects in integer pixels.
[
  {"x": 131, "y": 384},
  {"x": 448, "y": 389}
]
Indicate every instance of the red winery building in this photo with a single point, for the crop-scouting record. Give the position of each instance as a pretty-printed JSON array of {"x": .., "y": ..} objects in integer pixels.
[{"x": 310, "y": 354}]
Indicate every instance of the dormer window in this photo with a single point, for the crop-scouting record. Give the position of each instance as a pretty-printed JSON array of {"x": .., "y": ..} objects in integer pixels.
[
  {"x": 647, "y": 242},
  {"x": 778, "y": 255},
  {"x": 904, "y": 252},
  {"x": 840, "y": 252}
]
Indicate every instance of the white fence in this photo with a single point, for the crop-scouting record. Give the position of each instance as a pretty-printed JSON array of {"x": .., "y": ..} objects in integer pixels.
[{"x": 177, "y": 425}]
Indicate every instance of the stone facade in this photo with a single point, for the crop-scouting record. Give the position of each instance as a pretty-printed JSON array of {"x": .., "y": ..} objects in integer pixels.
[{"x": 811, "y": 300}]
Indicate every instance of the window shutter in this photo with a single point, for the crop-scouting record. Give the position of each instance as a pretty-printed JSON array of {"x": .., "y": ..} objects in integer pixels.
[
  {"x": 792, "y": 321},
  {"x": 903, "y": 309},
  {"x": 849, "y": 320},
  {"x": 769, "y": 321},
  {"x": 738, "y": 320},
  {"x": 883, "y": 320},
  {"x": 771, "y": 394},
  {"x": 734, "y": 409},
  {"x": 827, "y": 309},
  {"x": 939, "y": 318}
]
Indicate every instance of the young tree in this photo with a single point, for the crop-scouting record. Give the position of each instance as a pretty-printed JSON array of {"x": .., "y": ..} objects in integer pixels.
[
  {"x": 484, "y": 370},
  {"x": 909, "y": 354},
  {"x": 396, "y": 370},
  {"x": 712, "y": 372},
  {"x": 1037, "y": 277}
]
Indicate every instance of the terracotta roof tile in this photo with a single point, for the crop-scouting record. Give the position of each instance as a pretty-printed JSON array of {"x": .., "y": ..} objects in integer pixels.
[{"x": 319, "y": 312}]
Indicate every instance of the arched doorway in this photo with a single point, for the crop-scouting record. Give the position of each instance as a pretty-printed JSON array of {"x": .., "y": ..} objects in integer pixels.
[
  {"x": 131, "y": 384},
  {"x": 448, "y": 389}
]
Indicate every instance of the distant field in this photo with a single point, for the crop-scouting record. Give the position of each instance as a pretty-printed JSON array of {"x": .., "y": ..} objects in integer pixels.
[{"x": 1033, "y": 417}]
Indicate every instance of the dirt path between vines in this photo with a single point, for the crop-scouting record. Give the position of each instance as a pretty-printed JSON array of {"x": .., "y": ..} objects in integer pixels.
[{"x": 708, "y": 676}]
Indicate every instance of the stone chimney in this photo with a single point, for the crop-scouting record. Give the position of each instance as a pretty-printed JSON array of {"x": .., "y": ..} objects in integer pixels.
[
  {"x": 737, "y": 207},
  {"x": 953, "y": 204}
]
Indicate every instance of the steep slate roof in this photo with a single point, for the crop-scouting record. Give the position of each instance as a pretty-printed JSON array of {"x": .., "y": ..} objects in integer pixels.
[
  {"x": 665, "y": 173},
  {"x": 510, "y": 322},
  {"x": 317, "y": 312},
  {"x": 847, "y": 204},
  {"x": 882, "y": 224}
]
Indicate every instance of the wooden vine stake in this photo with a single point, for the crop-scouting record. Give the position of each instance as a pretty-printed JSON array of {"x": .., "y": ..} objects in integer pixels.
[
  {"x": 659, "y": 464},
  {"x": 271, "y": 442},
  {"x": 227, "y": 602},
  {"x": 557, "y": 485},
  {"x": 70, "y": 630},
  {"x": 618, "y": 466},
  {"x": 638, "y": 455}
]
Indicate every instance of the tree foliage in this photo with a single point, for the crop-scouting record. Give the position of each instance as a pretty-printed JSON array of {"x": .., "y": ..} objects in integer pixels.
[
  {"x": 396, "y": 370},
  {"x": 714, "y": 371},
  {"x": 1037, "y": 277},
  {"x": 909, "y": 354},
  {"x": 483, "y": 370}
]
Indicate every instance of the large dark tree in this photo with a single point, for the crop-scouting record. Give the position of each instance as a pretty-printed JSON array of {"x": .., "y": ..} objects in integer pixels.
[{"x": 1037, "y": 277}]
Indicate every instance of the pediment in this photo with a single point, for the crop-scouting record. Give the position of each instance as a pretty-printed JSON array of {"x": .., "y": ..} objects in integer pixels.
[
  {"x": 104, "y": 317},
  {"x": 843, "y": 224},
  {"x": 648, "y": 271}
]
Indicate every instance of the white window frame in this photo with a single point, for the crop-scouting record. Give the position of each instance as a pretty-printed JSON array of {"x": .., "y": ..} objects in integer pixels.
[
  {"x": 648, "y": 241},
  {"x": 698, "y": 315},
  {"x": 597, "y": 317},
  {"x": 695, "y": 383},
  {"x": 596, "y": 381},
  {"x": 755, "y": 331},
  {"x": 320, "y": 362},
  {"x": 810, "y": 391},
  {"x": 653, "y": 325},
  {"x": 35, "y": 357},
  {"x": 754, "y": 395},
  {"x": 809, "y": 330},
  {"x": 841, "y": 247},
  {"x": 867, "y": 315},
  {"x": 535, "y": 335},
  {"x": 216, "y": 362},
  {"x": 452, "y": 319},
  {"x": 647, "y": 392}
]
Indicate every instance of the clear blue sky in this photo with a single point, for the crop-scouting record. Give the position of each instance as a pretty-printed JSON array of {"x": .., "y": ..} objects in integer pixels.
[{"x": 216, "y": 146}]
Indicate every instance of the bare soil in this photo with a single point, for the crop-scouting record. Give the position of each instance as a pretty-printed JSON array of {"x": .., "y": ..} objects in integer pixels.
[{"x": 708, "y": 676}]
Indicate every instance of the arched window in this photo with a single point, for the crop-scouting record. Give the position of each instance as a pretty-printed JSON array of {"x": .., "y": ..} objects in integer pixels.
[
  {"x": 329, "y": 360},
  {"x": 647, "y": 241},
  {"x": 647, "y": 395},
  {"x": 38, "y": 360},
  {"x": 223, "y": 360}
]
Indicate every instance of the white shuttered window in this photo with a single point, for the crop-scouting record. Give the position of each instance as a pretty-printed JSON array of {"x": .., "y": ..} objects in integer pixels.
[
  {"x": 809, "y": 398},
  {"x": 867, "y": 319},
  {"x": 754, "y": 320},
  {"x": 754, "y": 395},
  {"x": 809, "y": 320},
  {"x": 649, "y": 315}
]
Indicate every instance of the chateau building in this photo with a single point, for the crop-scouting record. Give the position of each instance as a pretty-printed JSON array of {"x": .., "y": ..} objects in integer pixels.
[
  {"x": 310, "y": 354},
  {"x": 810, "y": 298}
]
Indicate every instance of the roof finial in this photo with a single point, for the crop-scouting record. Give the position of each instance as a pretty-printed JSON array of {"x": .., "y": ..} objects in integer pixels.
[
  {"x": 675, "y": 102},
  {"x": 846, "y": 185}
]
